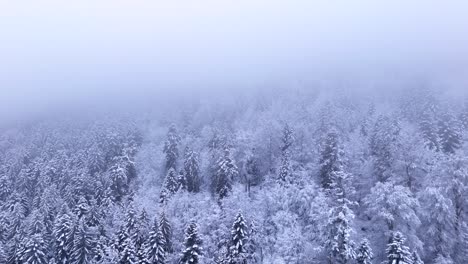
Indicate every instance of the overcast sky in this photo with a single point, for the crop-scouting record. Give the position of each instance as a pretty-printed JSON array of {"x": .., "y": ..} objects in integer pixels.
[{"x": 74, "y": 52}]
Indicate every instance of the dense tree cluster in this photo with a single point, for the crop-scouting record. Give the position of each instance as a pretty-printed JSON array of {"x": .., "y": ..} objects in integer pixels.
[{"x": 295, "y": 178}]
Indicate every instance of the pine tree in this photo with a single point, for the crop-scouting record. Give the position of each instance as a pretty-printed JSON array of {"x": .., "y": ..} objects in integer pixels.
[
  {"x": 285, "y": 174},
  {"x": 397, "y": 252},
  {"x": 384, "y": 135},
  {"x": 449, "y": 136},
  {"x": 83, "y": 245},
  {"x": 171, "y": 185},
  {"x": 329, "y": 159},
  {"x": 439, "y": 222},
  {"x": 364, "y": 253},
  {"x": 237, "y": 253},
  {"x": 225, "y": 172},
  {"x": 129, "y": 253},
  {"x": 287, "y": 138},
  {"x": 166, "y": 230},
  {"x": 63, "y": 234},
  {"x": 34, "y": 251},
  {"x": 192, "y": 170},
  {"x": 171, "y": 148},
  {"x": 82, "y": 207},
  {"x": 339, "y": 245},
  {"x": 155, "y": 246},
  {"x": 428, "y": 126},
  {"x": 193, "y": 250}
]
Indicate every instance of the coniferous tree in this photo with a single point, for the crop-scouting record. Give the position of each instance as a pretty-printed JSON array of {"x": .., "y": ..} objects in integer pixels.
[
  {"x": 166, "y": 230},
  {"x": 192, "y": 244},
  {"x": 83, "y": 245},
  {"x": 129, "y": 253},
  {"x": 339, "y": 246},
  {"x": 171, "y": 148},
  {"x": 155, "y": 246},
  {"x": 287, "y": 138},
  {"x": 285, "y": 172},
  {"x": 397, "y": 252},
  {"x": 428, "y": 125},
  {"x": 171, "y": 185},
  {"x": 225, "y": 171},
  {"x": 449, "y": 135},
  {"x": 63, "y": 234},
  {"x": 382, "y": 142},
  {"x": 364, "y": 253},
  {"x": 439, "y": 223},
  {"x": 329, "y": 159},
  {"x": 237, "y": 252},
  {"x": 35, "y": 251},
  {"x": 192, "y": 170}
]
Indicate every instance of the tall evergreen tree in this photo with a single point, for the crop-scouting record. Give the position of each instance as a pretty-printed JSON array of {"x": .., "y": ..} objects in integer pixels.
[
  {"x": 329, "y": 159},
  {"x": 364, "y": 253},
  {"x": 449, "y": 134},
  {"x": 129, "y": 253},
  {"x": 166, "y": 230},
  {"x": 83, "y": 245},
  {"x": 237, "y": 252},
  {"x": 428, "y": 125},
  {"x": 192, "y": 244},
  {"x": 192, "y": 170},
  {"x": 155, "y": 246},
  {"x": 382, "y": 143},
  {"x": 339, "y": 246},
  {"x": 439, "y": 222},
  {"x": 225, "y": 171},
  {"x": 287, "y": 138},
  {"x": 171, "y": 147},
  {"x": 397, "y": 252},
  {"x": 171, "y": 185},
  {"x": 63, "y": 234},
  {"x": 35, "y": 251},
  {"x": 284, "y": 172}
]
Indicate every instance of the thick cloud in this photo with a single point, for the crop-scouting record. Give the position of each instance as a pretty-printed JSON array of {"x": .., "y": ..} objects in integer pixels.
[{"x": 86, "y": 53}]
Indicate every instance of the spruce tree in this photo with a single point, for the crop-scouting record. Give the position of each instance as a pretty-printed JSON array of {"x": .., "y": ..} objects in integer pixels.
[
  {"x": 364, "y": 253},
  {"x": 287, "y": 138},
  {"x": 83, "y": 245},
  {"x": 428, "y": 126},
  {"x": 237, "y": 252},
  {"x": 284, "y": 173},
  {"x": 171, "y": 185},
  {"x": 166, "y": 230},
  {"x": 225, "y": 171},
  {"x": 129, "y": 253},
  {"x": 63, "y": 234},
  {"x": 329, "y": 159},
  {"x": 155, "y": 246},
  {"x": 171, "y": 147},
  {"x": 192, "y": 170},
  {"x": 383, "y": 138},
  {"x": 192, "y": 244},
  {"x": 35, "y": 251},
  {"x": 449, "y": 134},
  {"x": 339, "y": 246},
  {"x": 397, "y": 252}
]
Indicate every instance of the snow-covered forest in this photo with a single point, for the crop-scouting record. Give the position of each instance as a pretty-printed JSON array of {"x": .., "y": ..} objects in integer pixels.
[{"x": 294, "y": 176}]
